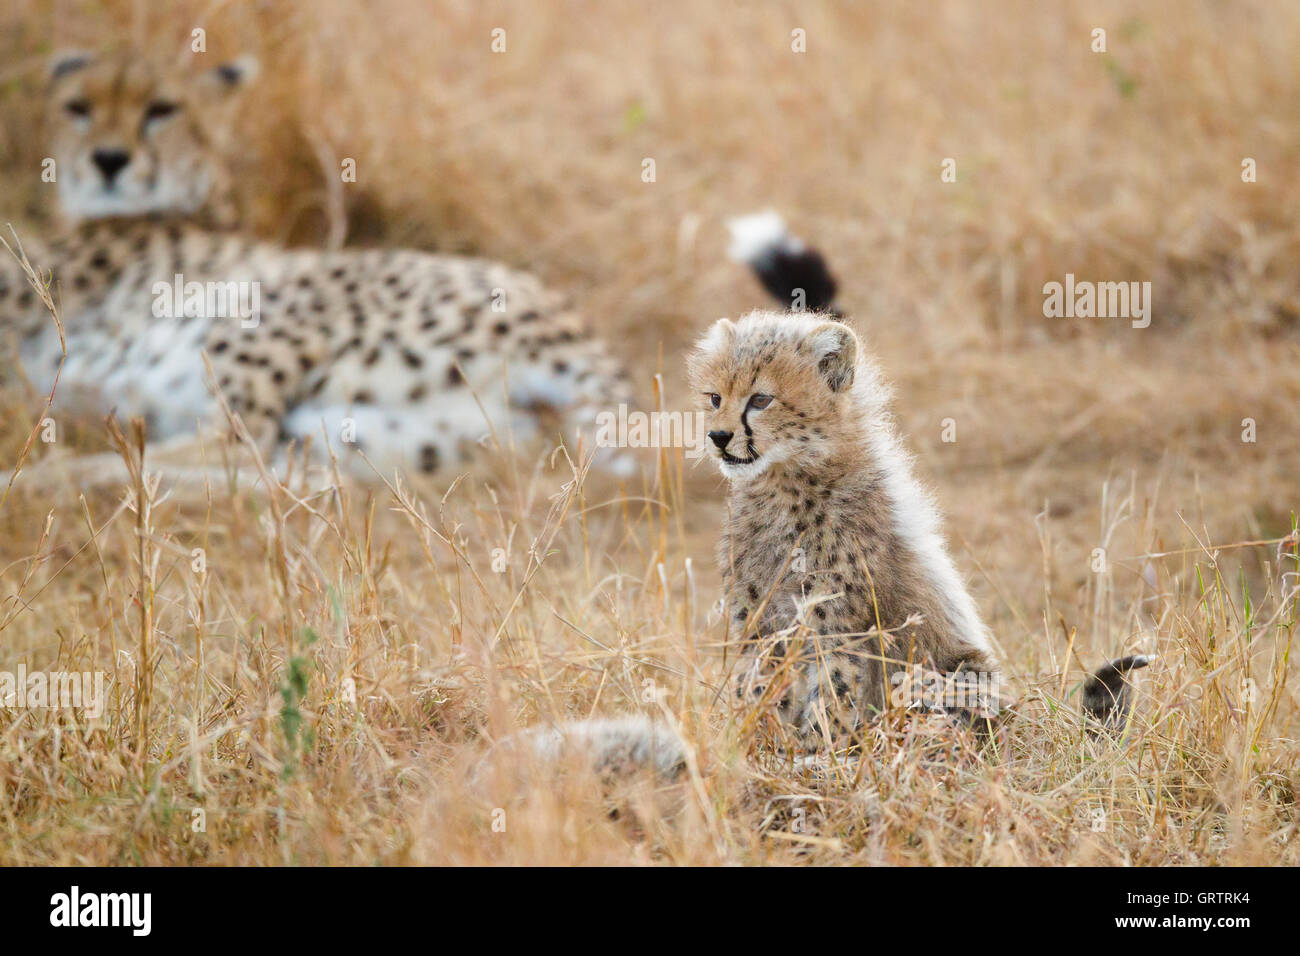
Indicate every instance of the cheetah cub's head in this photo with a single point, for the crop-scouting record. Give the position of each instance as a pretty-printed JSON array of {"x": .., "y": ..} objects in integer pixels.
[
  {"x": 132, "y": 138},
  {"x": 779, "y": 390}
]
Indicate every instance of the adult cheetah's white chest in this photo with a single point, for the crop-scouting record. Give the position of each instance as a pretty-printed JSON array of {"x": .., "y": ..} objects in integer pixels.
[
  {"x": 406, "y": 356},
  {"x": 123, "y": 358}
]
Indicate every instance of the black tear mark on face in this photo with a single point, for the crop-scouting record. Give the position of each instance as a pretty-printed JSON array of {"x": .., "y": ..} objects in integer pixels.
[{"x": 749, "y": 442}]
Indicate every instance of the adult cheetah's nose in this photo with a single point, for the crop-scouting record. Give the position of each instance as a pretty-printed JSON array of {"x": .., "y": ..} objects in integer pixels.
[
  {"x": 720, "y": 438},
  {"x": 110, "y": 162}
]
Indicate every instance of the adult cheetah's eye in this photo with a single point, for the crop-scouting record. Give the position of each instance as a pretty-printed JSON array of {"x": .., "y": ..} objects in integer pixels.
[
  {"x": 714, "y": 399},
  {"x": 159, "y": 110},
  {"x": 78, "y": 108},
  {"x": 759, "y": 402}
]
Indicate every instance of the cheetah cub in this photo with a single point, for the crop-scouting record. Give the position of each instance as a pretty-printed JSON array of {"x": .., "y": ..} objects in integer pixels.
[
  {"x": 838, "y": 586},
  {"x": 836, "y": 576}
]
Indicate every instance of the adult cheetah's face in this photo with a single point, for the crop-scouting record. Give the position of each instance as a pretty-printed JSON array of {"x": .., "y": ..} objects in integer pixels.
[
  {"x": 131, "y": 138},
  {"x": 773, "y": 390}
]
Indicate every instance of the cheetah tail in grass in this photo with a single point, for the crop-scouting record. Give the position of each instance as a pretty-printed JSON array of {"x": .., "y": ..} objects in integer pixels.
[
  {"x": 1108, "y": 693},
  {"x": 610, "y": 746},
  {"x": 791, "y": 271},
  {"x": 624, "y": 746}
]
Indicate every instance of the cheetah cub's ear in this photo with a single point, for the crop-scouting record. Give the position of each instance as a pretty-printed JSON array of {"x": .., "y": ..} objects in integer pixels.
[
  {"x": 836, "y": 349},
  {"x": 232, "y": 76},
  {"x": 719, "y": 337}
]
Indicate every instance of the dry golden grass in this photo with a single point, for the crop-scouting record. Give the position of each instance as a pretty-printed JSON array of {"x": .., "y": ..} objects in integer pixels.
[{"x": 1071, "y": 436}]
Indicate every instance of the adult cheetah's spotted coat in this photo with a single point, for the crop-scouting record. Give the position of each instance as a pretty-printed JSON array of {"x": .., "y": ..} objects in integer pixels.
[{"x": 409, "y": 357}]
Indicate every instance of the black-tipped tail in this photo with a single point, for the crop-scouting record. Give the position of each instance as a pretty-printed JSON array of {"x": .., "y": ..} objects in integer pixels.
[
  {"x": 1108, "y": 694},
  {"x": 792, "y": 272}
]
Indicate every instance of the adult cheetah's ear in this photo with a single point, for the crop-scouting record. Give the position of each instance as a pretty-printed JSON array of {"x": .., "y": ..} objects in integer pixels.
[
  {"x": 231, "y": 76},
  {"x": 67, "y": 61},
  {"x": 836, "y": 349}
]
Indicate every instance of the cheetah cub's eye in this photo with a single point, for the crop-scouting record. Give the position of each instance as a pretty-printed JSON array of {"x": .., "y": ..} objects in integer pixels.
[
  {"x": 78, "y": 108},
  {"x": 759, "y": 402},
  {"x": 714, "y": 399}
]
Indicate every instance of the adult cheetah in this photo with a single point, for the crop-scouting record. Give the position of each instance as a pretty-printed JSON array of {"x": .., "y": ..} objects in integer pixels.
[{"x": 407, "y": 356}]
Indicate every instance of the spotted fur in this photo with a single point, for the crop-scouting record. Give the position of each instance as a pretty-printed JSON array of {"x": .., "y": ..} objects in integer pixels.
[
  {"x": 837, "y": 580},
  {"x": 831, "y": 550},
  {"x": 409, "y": 357}
]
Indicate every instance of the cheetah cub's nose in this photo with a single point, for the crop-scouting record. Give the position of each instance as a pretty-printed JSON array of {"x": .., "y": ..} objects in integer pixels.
[{"x": 720, "y": 438}]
